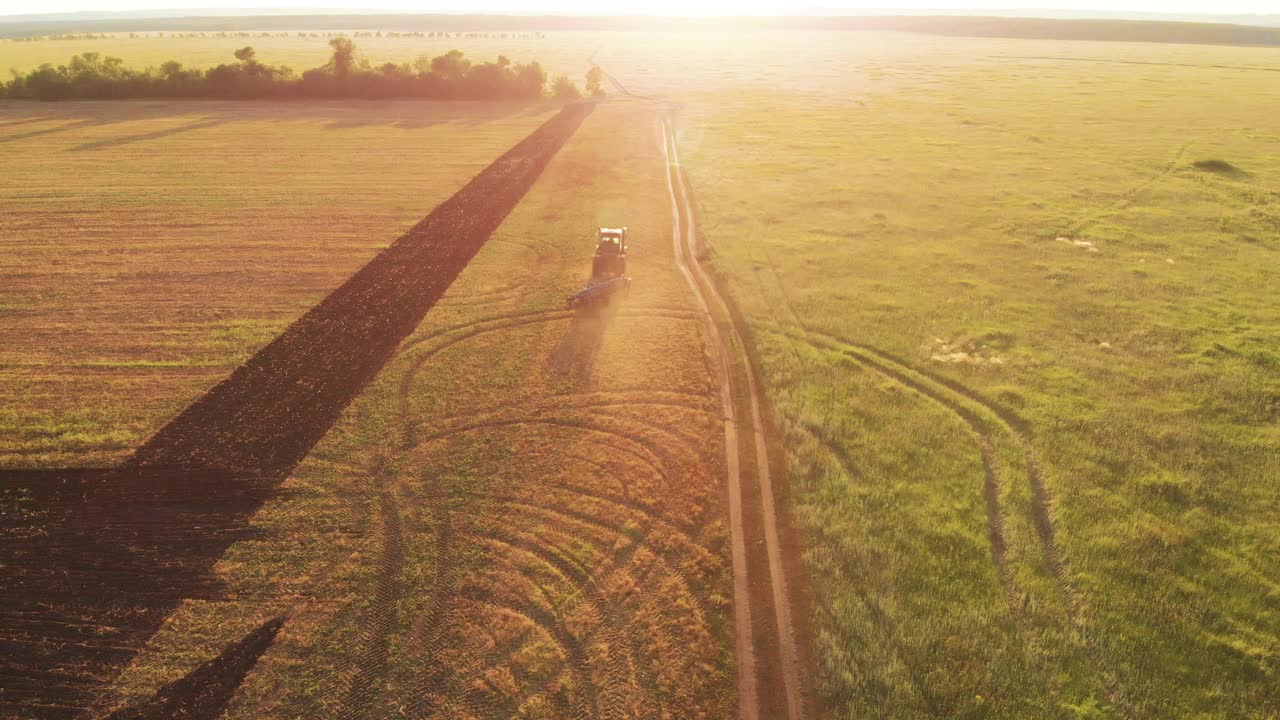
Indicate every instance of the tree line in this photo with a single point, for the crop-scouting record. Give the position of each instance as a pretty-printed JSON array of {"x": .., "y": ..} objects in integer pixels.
[
  {"x": 450, "y": 76},
  {"x": 263, "y": 34}
]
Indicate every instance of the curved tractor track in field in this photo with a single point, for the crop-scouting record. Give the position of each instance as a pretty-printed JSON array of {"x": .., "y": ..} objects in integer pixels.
[
  {"x": 532, "y": 574},
  {"x": 552, "y": 552},
  {"x": 985, "y": 421},
  {"x": 113, "y": 552},
  {"x": 602, "y": 653}
]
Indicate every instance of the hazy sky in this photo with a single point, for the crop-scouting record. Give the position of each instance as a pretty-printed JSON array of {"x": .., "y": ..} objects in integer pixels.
[{"x": 657, "y": 7}]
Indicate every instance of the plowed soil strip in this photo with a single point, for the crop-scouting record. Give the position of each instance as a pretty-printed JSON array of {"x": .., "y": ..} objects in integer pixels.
[
  {"x": 97, "y": 559},
  {"x": 268, "y": 414}
]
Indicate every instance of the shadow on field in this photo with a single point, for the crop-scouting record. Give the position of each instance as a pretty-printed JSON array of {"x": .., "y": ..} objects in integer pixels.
[
  {"x": 140, "y": 137},
  {"x": 1221, "y": 167},
  {"x": 268, "y": 414},
  {"x": 95, "y": 559},
  {"x": 574, "y": 356},
  {"x": 334, "y": 114},
  {"x": 78, "y": 125},
  {"x": 405, "y": 116},
  {"x": 205, "y": 691}
]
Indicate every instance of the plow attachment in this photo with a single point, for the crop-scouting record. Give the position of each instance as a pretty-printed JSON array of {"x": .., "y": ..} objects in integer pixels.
[{"x": 600, "y": 292}]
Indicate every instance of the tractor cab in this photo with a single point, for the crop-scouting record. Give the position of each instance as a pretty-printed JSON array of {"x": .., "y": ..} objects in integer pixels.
[
  {"x": 611, "y": 254},
  {"x": 612, "y": 241}
]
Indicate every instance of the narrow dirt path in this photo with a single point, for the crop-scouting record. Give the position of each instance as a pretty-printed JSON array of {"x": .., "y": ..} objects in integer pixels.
[{"x": 686, "y": 256}]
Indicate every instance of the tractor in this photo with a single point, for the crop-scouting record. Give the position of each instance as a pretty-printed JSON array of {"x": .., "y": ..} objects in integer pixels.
[{"x": 608, "y": 269}]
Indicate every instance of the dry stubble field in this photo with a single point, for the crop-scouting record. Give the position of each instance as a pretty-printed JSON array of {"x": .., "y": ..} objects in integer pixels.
[
  {"x": 147, "y": 248},
  {"x": 522, "y": 515}
]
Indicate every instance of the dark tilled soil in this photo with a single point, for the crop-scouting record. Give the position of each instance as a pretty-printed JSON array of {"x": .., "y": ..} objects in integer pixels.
[
  {"x": 268, "y": 414},
  {"x": 93, "y": 560}
]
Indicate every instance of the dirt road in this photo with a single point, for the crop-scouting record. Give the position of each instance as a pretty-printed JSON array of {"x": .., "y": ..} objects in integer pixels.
[{"x": 760, "y": 681}]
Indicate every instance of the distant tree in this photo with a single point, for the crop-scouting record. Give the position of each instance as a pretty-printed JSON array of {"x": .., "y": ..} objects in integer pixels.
[
  {"x": 530, "y": 80},
  {"x": 344, "y": 56},
  {"x": 451, "y": 65},
  {"x": 564, "y": 89},
  {"x": 44, "y": 83},
  {"x": 451, "y": 75},
  {"x": 595, "y": 81}
]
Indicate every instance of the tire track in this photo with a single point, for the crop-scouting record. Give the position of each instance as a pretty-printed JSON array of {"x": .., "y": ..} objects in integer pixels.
[
  {"x": 993, "y": 482},
  {"x": 744, "y": 642},
  {"x": 613, "y": 400},
  {"x": 952, "y": 396},
  {"x": 568, "y": 645},
  {"x": 622, "y": 664},
  {"x": 635, "y": 311},
  {"x": 992, "y": 477},
  {"x": 1042, "y": 519},
  {"x": 643, "y": 542},
  {"x": 586, "y": 585},
  {"x": 900, "y": 371},
  {"x": 467, "y": 331},
  {"x": 646, "y": 454},
  {"x": 594, "y": 493},
  {"x": 703, "y": 288},
  {"x": 444, "y": 591},
  {"x": 648, "y": 451},
  {"x": 370, "y": 660},
  {"x": 1128, "y": 197},
  {"x": 580, "y": 580}
]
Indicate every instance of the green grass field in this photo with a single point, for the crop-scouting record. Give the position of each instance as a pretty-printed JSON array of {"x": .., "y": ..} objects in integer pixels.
[{"x": 1058, "y": 242}]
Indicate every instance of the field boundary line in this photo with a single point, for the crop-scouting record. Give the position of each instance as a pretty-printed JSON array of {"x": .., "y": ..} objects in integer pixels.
[
  {"x": 689, "y": 262},
  {"x": 1262, "y": 68},
  {"x": 743, "y": 642}
]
